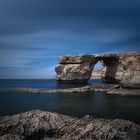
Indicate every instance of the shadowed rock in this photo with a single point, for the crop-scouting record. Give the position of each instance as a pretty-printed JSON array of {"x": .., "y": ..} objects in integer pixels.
[{"x": 36, "y": 125}]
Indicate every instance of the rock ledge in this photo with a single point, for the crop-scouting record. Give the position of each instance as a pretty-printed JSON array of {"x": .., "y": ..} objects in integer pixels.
[{"x": 39, "y": 125}]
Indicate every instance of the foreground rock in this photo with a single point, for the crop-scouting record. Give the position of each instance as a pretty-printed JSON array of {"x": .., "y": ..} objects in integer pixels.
[
  {"x": 35, "y": 125},
  {"x": 123, "y": 68}
]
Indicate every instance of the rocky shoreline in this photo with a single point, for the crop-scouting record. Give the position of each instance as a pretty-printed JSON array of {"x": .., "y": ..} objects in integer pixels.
[
  {"x": 110, "y": 89},
  {"x": 125, "y": 92},
  {"x": 41, "y": 125}
]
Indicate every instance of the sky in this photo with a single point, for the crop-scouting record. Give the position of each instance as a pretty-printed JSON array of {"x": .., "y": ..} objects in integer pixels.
[{"x": 34, "y": 33}]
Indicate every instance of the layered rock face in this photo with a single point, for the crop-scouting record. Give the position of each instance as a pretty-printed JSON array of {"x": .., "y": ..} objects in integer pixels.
[
  {"x": 123, "y": 68},
  {"x": 43, "y": 125},
  {"x": 128, "y": 72},
  {"x": 75, "y": 68}
]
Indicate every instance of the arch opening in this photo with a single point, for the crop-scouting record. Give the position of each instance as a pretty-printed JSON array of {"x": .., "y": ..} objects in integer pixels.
[{"x": 97, "y": 69}]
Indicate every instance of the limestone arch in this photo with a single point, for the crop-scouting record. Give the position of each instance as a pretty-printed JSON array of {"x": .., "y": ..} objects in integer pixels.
[
  {"x": 78, "y": 68},
  {"x": 110, "y": 67}
]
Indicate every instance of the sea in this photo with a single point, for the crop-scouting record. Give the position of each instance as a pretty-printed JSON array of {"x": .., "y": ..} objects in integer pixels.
[{"x": 97, "y": 104}]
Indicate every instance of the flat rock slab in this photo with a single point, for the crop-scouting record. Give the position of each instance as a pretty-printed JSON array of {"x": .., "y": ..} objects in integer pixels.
[
  {"x": 38, "y": 125},
  {"x": 110, "y": 89},
  {"x": 76, "y": 59},
  {"x": 46, "y": 90},
  {"x": 125, "y": 92}
]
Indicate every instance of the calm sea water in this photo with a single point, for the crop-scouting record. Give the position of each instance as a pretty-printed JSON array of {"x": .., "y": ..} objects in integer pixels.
[{"x": 97, "y": 104}]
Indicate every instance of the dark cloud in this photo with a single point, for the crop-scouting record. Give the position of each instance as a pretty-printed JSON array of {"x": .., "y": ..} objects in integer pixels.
[{"x": 26, "y": 16}]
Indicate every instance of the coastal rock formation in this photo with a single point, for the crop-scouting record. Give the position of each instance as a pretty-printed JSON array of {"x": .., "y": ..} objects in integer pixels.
[
  {"x": 110, "y": 64},
  {"x": 74, "y": 72},
  {"x": 123, "y": 68},
  {"x": 128, "y": 72},
  {"x": 106, "y": 88},
  {"x": 39, "y": 125},
  {"x": 75, "y": 68},
  {"x": 83, "y": 89}
]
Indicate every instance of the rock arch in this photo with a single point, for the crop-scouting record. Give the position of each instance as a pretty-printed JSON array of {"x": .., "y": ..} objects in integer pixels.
[
  {"x": 110, "y": 67},
  {"x": 123, "y": 68}
]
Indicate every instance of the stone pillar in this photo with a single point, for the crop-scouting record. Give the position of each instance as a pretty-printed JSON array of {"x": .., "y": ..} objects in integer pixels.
[
  {"x": 109, "y": 71},
  {"x": 123, "y": 68},
  {"x": 128, "y": 73}
]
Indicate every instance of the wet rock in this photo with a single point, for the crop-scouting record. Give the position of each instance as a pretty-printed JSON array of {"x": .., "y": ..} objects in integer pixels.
[
  {"x": 124, "y": 92},
  {"x": 11, "y": 137},
  {"x": 37, "y": 125},
  {"x": 106, "y": 88},
  {"x": 83, "y": 89}
]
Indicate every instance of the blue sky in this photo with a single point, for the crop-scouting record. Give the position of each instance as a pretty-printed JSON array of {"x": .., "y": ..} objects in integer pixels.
[{"x": 33, "y": 34}]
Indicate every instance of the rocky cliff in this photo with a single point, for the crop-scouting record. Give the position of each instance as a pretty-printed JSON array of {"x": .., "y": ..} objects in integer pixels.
[
  {"x": 128, "y": 72},
  {"x": 43, "y": 125},
  {"x": 123, "y": 68},
  {"x": 75, "y": 68}
]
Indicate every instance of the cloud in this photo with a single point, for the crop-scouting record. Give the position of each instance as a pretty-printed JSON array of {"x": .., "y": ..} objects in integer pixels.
[
  {"x": 113, "y": 36},
  {"x": 43, "y": 73},
  {"x": 31, "y": 40},
  {"x": 19, "y": 58},
  {"x": 27, "y": 73},
  {"x": 23, "y": 49}
]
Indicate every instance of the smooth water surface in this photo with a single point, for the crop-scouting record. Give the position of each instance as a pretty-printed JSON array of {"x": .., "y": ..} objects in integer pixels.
[
  {"x": 40, "y": 83},
  {"x": 97, "y": 104}
]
